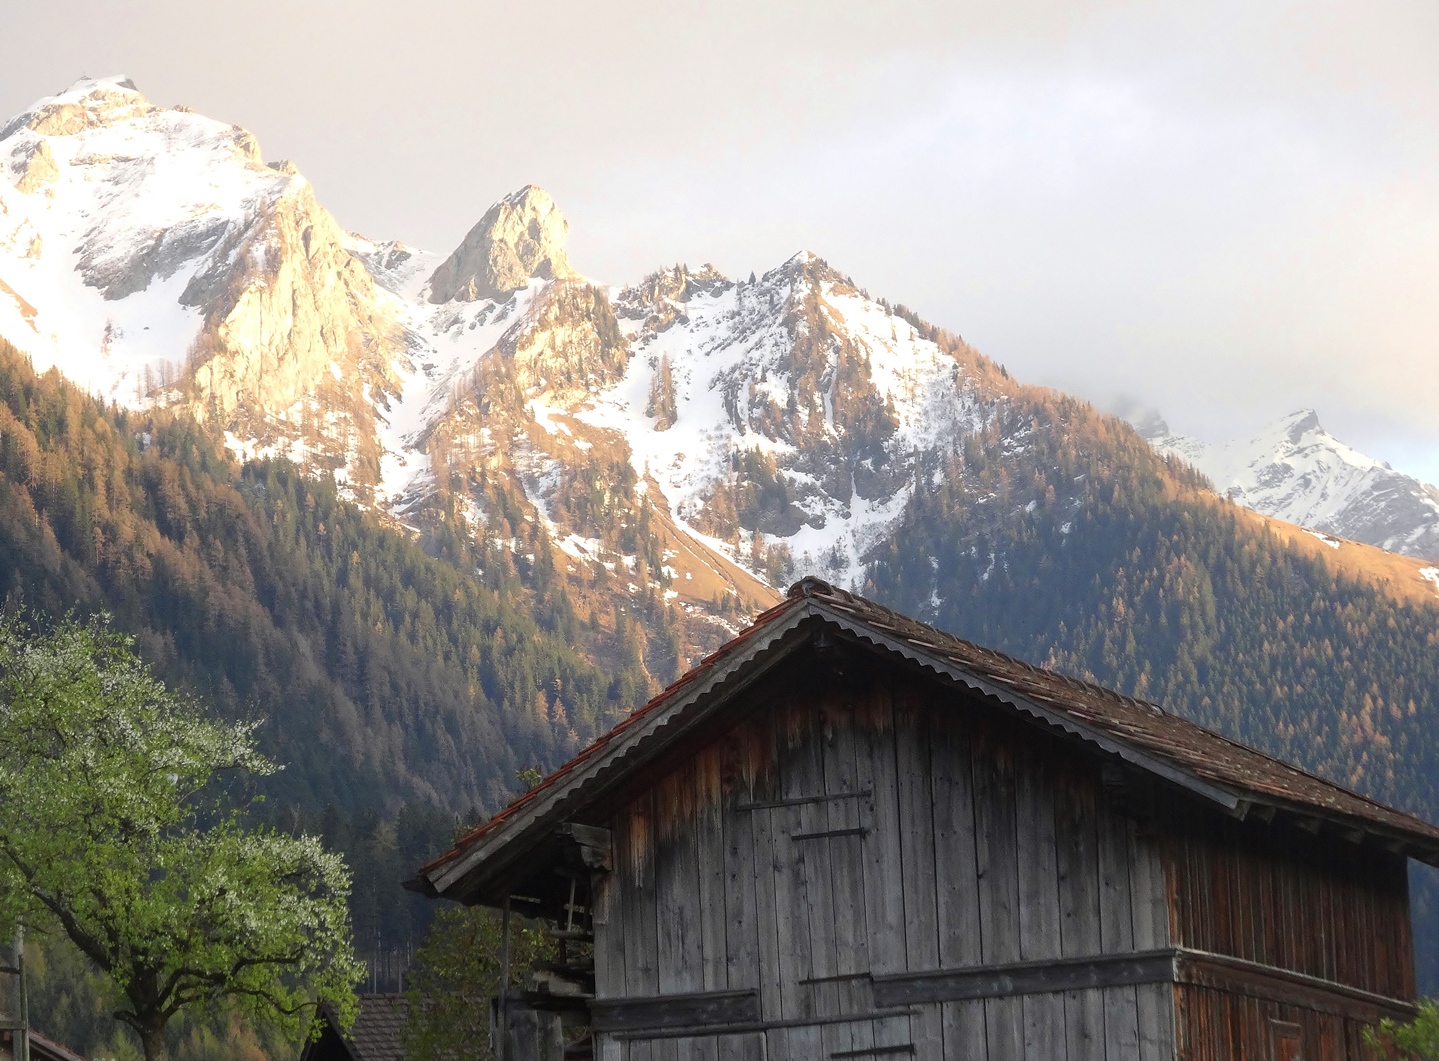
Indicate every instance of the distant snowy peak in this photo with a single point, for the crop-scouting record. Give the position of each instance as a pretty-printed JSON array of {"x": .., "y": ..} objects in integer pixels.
[{"x": 1296, "y": 471}]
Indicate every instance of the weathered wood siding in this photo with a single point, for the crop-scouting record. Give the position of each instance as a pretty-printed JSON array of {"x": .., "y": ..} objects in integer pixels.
[
  {"x": 1334, "y": 911},
  {"x": 877, "y": 826},
  {"x": 1225, "y": 1026}
]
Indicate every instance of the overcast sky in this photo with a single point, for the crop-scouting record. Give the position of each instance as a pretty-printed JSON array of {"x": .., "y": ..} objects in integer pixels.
[{"x": 1226, "y": 211}]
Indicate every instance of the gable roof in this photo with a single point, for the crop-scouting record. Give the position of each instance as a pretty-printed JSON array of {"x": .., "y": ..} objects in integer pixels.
[
  {"x": 1238, "y": 779},
  {"x": 378, "y": 1033}
]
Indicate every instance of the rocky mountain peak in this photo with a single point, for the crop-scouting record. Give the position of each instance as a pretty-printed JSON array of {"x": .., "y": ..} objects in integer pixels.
[
  {"x": 87, "y": 103},
  {"x": 1297, "y": 425},
  {"x": 521, "y": 237}
]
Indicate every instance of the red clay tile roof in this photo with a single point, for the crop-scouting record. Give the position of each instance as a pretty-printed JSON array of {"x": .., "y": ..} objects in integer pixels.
[{"x": 1162, "y": 738}]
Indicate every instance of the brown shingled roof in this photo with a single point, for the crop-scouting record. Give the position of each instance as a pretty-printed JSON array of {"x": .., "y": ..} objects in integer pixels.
[
  {"x": 378, "y": 1033},
  {"x": 1231, "y": 774}
]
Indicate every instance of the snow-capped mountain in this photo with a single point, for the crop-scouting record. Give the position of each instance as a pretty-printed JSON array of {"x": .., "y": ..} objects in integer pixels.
[
  {"x": 688, "y": 439},
  {"x": 695, "y": 435},
  {"x": 151, "y": 256},
  {"x": 1296, "y": 471}
]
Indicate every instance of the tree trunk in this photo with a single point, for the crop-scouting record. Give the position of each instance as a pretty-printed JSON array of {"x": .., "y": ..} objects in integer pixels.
[{"x": 152, "y": 1038}]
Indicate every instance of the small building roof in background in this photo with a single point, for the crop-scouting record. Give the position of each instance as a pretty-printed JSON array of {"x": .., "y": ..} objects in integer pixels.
[
  {"x": 43, "y": 1048},
  {"x": 378, "y": 1033}
]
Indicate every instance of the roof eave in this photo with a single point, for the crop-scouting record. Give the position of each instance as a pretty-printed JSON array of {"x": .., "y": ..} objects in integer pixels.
[{"x": 549, "y": 808}]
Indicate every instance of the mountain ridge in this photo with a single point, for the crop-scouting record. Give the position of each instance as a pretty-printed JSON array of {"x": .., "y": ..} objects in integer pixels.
[{"x": 1296, "y": 471}]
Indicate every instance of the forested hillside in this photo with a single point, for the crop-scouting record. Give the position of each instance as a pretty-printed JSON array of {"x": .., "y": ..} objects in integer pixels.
[{"x": 382, "y": 673}]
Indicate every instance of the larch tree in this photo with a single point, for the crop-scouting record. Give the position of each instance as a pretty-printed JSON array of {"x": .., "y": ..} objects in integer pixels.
[{"x": 118, "y": 826}]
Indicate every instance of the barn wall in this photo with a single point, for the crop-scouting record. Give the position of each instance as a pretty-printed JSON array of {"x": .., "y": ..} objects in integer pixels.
[
  {"x": 1335, "y": 911},
  {"x": 1223, "y": 1026},
  {"x": 946, "y": 838}
]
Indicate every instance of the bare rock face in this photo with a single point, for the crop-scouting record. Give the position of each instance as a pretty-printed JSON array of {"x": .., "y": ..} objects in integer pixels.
[
  {"x": 291, "y": 318},
  {"x": 520, "y": 237},
  {"x": 36, "y": 166}
]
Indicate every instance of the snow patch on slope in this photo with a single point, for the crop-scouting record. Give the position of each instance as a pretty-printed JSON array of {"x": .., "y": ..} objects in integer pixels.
[{"x": 727, "y": 349}]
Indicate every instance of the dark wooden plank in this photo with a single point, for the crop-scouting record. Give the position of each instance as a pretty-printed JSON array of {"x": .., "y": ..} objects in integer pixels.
[
  {"x": 1239, "y": 977},
  {"x": 804, "y": 880},
  {"x": 1155, "y": 1005},
  {"x": 688, "y": 1010},
  {"x": 918, "y": 880},
  {"x": 849, "y": 770},
  {"x": 742, "y": 960},
  {"x": 759, "y": 776},
  {"x": 637, "y": 887},
  {"x": 1149, "y": 892},
  {"x": 997, "y": 863},
  {"x": 609, "y": 941},
  {"x": 883, "y": 866},
  {"x": 1046, "y": 976},
  {"x": 711, "y": 851},
  {"x": 1038, "y": 880},
  {"x": 956, "y": 880},
  {"x": 847, "y": 819},
  {"x": 1116, "y": 929},
  {"x": 1076, "y": 844},
  {"x": 677, "y": 893}
]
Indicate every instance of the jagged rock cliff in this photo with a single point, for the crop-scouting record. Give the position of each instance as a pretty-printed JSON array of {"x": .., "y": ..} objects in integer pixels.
[{"x": 520, "y": 238}]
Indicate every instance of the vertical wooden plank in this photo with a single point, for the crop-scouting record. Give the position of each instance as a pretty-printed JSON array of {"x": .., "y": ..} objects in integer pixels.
[
  {"x": 1038, "y": 891},
  {"x": 759, "y": 782},
  {"x": 609, "y": 928},
  {"x": 1078, "y": 857},
  {"x": 742, "y": 925},
  {"x": 875, "y": 773},
  {"x": 637, "y": 883},
  {"x": 609, "y": 925},
  {"x": 1116, "y": 931},
  {"x": 847, "y": 867},
  {"x": 710, "y": 849},
  {"x": 956, "y": 876},
  {"x": 884, "y": 890},
  {"x": 996, "y": 860},
  {"x": 914, "y": 828},
  {"x": 676, "y": 892},
  {"x": 1155, "y": 1005},
  {"x": 800, "y": 776}
]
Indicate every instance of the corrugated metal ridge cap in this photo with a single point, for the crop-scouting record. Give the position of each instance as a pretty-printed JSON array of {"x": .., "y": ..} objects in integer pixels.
[{"x": 600, "y": 743}]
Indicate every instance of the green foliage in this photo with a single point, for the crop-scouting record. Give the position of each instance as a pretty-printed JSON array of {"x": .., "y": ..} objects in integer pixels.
[
  {"x": 455, "y": 975},
  {"x": 1417, "y": 1040},
  {"x": 116, "y": 828},
  {"x": 72, "y": 1003}
]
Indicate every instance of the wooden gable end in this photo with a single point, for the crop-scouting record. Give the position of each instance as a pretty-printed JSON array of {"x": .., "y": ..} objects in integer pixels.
[{"x": 803, "y": 877}]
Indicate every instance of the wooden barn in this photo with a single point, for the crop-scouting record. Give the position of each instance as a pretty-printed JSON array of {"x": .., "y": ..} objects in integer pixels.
[{"x": 849, "y": 835}]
